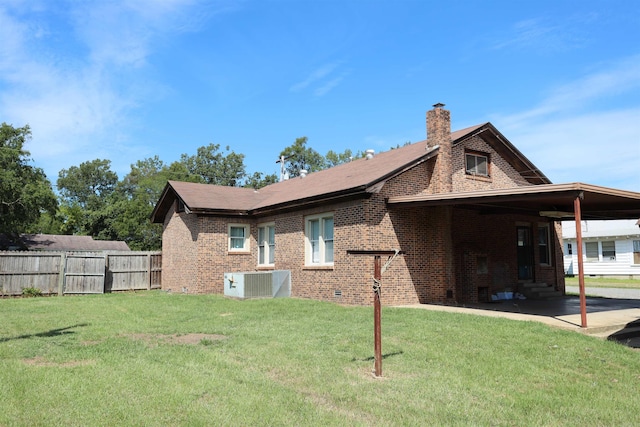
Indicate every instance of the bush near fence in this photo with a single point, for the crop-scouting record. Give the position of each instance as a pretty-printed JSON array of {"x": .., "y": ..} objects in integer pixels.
[{"x": 79, "y": 272}]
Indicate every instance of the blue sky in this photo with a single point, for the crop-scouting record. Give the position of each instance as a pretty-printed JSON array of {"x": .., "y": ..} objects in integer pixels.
[{"x": 127, "y": 80}]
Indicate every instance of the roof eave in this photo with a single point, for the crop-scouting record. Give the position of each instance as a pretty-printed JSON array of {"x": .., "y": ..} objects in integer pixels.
[{"x": 162, "y": 206}]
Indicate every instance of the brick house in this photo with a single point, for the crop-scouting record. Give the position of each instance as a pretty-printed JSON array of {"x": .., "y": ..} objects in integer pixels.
[{"x": 464, "y": 207}]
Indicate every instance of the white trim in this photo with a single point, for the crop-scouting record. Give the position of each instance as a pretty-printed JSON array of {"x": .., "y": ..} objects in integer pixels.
[
  {"x": 247, "y": 233},
  {"x": 266, "y": 244},
  {"x": 322, "y": 242}
]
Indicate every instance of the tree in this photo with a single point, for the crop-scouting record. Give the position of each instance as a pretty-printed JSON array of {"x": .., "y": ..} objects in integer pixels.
[
  {"x": 298, "y": 156},
  {"x": 91, "y": 182},
  {"x": 214, "y": 167},
  {"x": 137, "y": 194},
  {"x": 86, "y": 193},
  {"x": 334, "y": 159},
  {"x": 257, "y": 180},
  {"x": 25, "y": 191}
]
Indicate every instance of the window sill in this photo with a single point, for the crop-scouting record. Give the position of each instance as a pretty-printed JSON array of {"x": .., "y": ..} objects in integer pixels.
[
  {"x": 265, "y": 267},
  {"x": 238, "y": 252},
  {"x": 478, "y": 177},
  {"x": 318, "y": 267}
]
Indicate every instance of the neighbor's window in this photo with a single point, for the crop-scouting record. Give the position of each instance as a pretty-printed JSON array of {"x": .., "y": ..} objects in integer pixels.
[
  {"x": 477, "y": 163},
  {"x": 266, "y": 244},
  {"x": 238, "y": 237},
  {"x": 543, "y": 244},
  {"x": 591, "y": 251},
  {"x": 319, "y": 239},
  {"x": 609, "y": 250},
  {"x": 636, "y": 251},
  {"x": 569, "y": 249}
]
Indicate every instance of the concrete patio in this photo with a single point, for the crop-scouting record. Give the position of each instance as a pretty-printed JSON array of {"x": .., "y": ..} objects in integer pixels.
[{"x": 606, "y": 317}]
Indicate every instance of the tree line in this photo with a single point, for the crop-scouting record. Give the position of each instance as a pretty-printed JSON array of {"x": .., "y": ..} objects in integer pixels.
[{"x": 91, "y": 199}]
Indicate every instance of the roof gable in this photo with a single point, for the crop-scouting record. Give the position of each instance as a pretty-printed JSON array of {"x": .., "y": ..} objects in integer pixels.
[{"x": 506, "y": 150}]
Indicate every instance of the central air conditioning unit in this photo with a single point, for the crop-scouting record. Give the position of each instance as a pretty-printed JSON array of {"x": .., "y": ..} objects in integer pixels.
[{"x": 252, "y": 284}]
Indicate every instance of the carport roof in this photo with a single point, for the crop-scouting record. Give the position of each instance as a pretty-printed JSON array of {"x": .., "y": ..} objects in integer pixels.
[{"x": 551, "y": 200}]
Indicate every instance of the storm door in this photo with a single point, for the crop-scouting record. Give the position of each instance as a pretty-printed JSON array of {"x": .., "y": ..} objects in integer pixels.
[{"x": 525, "y": 253}]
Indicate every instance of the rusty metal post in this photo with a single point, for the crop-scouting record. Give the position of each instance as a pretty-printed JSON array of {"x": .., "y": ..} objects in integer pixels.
[
  {"x": 583, "y": 299},
  {"x": 377, "y": 336}
]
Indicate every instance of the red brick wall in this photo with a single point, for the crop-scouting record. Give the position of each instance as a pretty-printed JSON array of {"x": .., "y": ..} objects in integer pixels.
[
  {"x": 502, "y": 174},
  {"x": 179, "y": 251},
  {"x": 443, "y": 246}
]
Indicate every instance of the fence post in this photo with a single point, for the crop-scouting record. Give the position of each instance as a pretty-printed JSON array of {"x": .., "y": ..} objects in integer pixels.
[
  {"x": 149, "y": 271},
  {"x": 61, "y": 270}
]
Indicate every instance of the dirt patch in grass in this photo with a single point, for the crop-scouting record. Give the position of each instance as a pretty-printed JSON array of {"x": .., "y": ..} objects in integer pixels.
[
  {"x": 191, "y": 339},
  {"x": 41, "y": 361}
]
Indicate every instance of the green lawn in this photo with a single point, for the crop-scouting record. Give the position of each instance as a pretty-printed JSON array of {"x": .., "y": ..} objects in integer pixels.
[
  {"x": 596, "y": 282},
  {"x": 134, "y": 359}
]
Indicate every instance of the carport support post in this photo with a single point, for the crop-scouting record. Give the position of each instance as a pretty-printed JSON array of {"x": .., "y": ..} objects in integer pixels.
[
  {"x": 377, "y": 336},
  {"x": 583, "y": 299}
]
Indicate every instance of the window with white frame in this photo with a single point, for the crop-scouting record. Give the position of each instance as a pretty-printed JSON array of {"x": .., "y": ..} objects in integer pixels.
[
  {"x": 477, "y": 163},
  {"x": 591, "y": 251},
  {"x": 608, "y": 250},
  {"x": 636, "y": 251},
  {"x": 238, "y": 237},
  {"x": 544, "y": 249},
  {"x": 319, "y": 239},
  {"x": 266, "y": 244}
]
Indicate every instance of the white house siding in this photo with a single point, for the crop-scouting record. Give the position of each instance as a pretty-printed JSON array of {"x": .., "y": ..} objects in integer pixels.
[{"x": 623, "y": 233}]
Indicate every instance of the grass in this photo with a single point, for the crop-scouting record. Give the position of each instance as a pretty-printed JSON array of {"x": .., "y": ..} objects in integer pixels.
[
  {"x": 597, "y": 282},
  {"x": 154, "y": 358}
]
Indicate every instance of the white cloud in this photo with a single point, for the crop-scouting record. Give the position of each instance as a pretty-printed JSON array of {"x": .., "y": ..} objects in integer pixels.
[
  {"x": 575, "y": 135},
  {"x": 74, "y": 72},
  {"x": 600, "y": 148},
  {"x": 319, "y": 78},
  {"x": 543, "y": 34}
]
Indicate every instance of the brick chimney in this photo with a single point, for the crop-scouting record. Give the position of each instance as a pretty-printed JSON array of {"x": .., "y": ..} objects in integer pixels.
[{"x": 439, "y": 133}]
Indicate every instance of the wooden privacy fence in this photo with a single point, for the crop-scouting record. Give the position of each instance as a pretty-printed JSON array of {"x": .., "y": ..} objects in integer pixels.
[{"x": 79, "y": 272}]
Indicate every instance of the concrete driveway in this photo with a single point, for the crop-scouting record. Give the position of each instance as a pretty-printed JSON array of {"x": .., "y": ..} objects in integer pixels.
[{"x": 612, "y": 318}]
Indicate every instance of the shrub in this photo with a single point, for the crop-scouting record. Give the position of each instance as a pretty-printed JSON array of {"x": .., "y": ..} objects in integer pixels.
[{"x": 31, "y": 292}]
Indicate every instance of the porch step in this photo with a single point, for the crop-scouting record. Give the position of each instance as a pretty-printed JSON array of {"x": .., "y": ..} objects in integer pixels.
[{"x": 539, "y": 291}]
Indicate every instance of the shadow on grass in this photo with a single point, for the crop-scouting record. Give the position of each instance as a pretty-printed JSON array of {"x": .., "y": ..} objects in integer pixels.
[
  {"x": 51, "y": 333},
  {"x": 372, "y": 358}
]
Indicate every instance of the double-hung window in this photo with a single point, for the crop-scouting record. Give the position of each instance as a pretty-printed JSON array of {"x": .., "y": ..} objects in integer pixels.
[
  {"x": 238, "y": 237},
  {"x": 319, "y": 240},
  {"x": 266, "y": 244},
  {"x": 608, "y": 250},
  {"x": 477, "y": 163},
  {"x": 591, "y": 249},
  {"x": 543, "y": 244}
]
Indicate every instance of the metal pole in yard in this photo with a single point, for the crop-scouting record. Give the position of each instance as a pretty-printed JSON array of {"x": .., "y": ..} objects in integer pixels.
[
  {"x": 583, "y": 299},
  {"x": 377, "y": 335}
]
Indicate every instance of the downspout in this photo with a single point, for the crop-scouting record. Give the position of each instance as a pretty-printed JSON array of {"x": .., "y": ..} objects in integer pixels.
[{"x": 583, "y": 299}]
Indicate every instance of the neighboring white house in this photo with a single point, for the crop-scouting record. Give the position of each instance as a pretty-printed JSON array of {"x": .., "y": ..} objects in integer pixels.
[{"x": 609, "y": 248}]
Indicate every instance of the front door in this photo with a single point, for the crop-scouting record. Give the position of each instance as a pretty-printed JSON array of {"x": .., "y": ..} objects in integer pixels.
[{"x": 525, "y": 253}]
